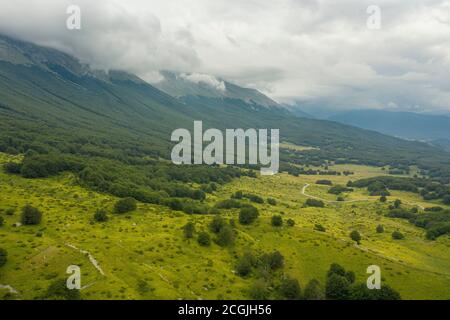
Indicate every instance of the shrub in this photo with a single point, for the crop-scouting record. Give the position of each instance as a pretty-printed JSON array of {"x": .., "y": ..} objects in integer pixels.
[
  {"x": 31, "y": 215},
  {"x": 272, "y": 201},
  {"x": 397, "y": 203},
  {"x": 244, "y": 266},
  {"x": 380, "y": 229},
  {"x": 338, "y": 189},
  {"x": 3, "y": 257},
  {"x": 314, "y": 203},
  {"x": 217, "y": 224},
  {"x": 259, "y": 290},
  {"x": 225, "y": 236},
  {"x": 397, "y": 235},
  {"x": 189, "y": 230},
  {"x": 254, "y": 198},
  {"x": 248, "y": 214},
  {"x": 290, "y": 288},
  {"x": 12, "y": 168},
  {"x": 319, "y": 227},
  {"x": 204, "y": 239},
  {"x": 58, "y": 291},
  {"x": 337, "y": 287},
  {"x": 10, "y": 211},
  {"x": 277, "y": 221},
  {"x": 100, "y": 216},
  {"x": 125, "y": 205},
  {"x": 324, "y": 182},
  {"x": 313, "y": 291},
  {"x": 273, "y": 261},
  {"x": 361, "y": 292},
  {"x": 228, "y": 204},
  {"x": 383, "y": 199},
  {"x": 237, "y": 195},
  {"x": 290, "y": 222},
  {"x": 355, "y": 236}
]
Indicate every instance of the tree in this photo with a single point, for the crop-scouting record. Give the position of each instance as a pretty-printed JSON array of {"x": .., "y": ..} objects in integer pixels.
[
  {"x": 272, "y": 201},
  {"x": 361, "y": 292},
  {"x": 58, "y": 291},
  {"x": 313, "y": 291},
  {"x": 397, "y": 203},
  {"x": 277, "y": 221},
  {"x": 225, "y": 236},
  {"x": 204, "y": 239},
  {"x": 273, "y": 261},
  {"x": 337, "y": 287},
  {"x": 380, "y": 229},
  {"x": 100, "y": 216},
  {"x": 290, "y": 222},
  {"x": 217, "y": 224},
  {"x": 125, "y": 205},
  {"x": 248, "y": 214},
  {"x": 244, "y": 266},
  {"x": 259, "y": 290},
  {"x": 355, "y": 236},
  {"x": 290, "y": 288},
  {"x": 31, "y": 215},
  {"x": 383, "y": 199},
  {"x": 397, "y": 235},
  {"x": 189, "y": 230},
  {"x": 3, "y": 257},
  {"x": 314, "y": 203}
]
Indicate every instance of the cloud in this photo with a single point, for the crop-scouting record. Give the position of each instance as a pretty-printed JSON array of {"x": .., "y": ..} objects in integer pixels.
[
  {"x": 314, "y": 52},
  {"x": 205, "y": 79}
]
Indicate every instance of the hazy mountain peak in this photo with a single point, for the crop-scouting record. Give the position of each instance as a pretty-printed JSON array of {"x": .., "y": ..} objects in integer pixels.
[{"x": 199, "y": 84}]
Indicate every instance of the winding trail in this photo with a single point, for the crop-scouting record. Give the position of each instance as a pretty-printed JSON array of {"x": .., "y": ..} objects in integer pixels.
[{"x": 93, "y": 261}]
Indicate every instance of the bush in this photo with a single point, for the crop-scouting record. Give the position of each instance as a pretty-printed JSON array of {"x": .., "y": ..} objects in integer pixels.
[
  {"x": 337, "y": 287},
  {"x": 12, "y": 168},
  {"x": 228, "y": 204},
  {"x": 383, "y": 199},
  {"x": 324, "y": 182},
  {"x": 254, "y": 198},
  {"x": 319, "y": 227},
  {"x": 290, "y": 289},
  {"x": 313, "y": 291},
  {"x": 248, "y": 214},
  {"x": 290, "y": 222},
  {"x": 204, "y": 239},
  {"x": 10, "y": 211},
  {"x": 271, "y": 201},
  {"x": 314, "y": 203},
  {"x": 380, "y": 229},
  {"x": 338, "y": 189},
  {"x": 361, "y": 292},
  {"x": 58, "y": 291},
  {"x": 100, "y": 216},
  {"x": 237, "y": 195},
  {"x": 244, "y": 266},
  {"x": 277, "y": 221},
  {"x": 189, "y": 230},
  {"x": 217, "y": 224},
  {"x": 225, "y": 236},
  {"x": 273, "y": 261},
  {"x": 31, "y": 215},
  {"x": 355, "y": 236},
  {"x": 259, "y": 290},
  {"x": 397, "y": 203},
  {"x": 3, "y": 257},
  {"x": 397, "y": 235},
  {"x": 125, "y": 205}
]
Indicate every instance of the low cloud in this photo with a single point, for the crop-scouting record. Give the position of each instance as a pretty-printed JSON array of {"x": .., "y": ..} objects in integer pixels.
[
  {"x": 205, "y": 79},
  {"x": 313, "y": 52}
]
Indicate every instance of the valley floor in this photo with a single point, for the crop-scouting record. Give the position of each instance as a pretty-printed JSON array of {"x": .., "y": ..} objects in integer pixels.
[{"x": 144, "y": 255}]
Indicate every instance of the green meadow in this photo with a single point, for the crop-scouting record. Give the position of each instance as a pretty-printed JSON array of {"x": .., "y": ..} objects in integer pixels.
[{"x": 144, "y": 254}]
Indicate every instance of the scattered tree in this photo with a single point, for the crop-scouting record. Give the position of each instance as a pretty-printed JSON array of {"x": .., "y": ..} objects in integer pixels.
[
  {"x": 355, "y": 236},
  {"x": 204, "y": 239},
  {"x": 397, "y": 235},
  {"x": 290, "y": 222},
  {"x": 248, "y": 214},
  {"x": 313, "y": 291},
  {"x": 125, "y": 205},
  {"x": 383, "y": 199},
  {"x": 31, "y": 215},
  {"x": 189, "y": 230},
  {"x": 319, "y": 227},
  {"x": 380, "y": 229},
  {"x": 290, "y": 288},
  {"x": 100, "y": 216},
  {"x": 277, "y": 221},
  {"x": 259, "y": 290},
  {"x": 225, "y": 236},
  {"x": 272, "y": 201}
]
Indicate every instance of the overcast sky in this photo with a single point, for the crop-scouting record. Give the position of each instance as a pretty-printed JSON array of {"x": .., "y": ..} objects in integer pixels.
[{"x": 315, "y": 52}]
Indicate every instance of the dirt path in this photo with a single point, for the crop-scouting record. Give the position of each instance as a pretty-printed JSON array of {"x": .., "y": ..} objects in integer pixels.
[
  {"x": 93, "y": 261},
  {"x": 9, "y": 288}
]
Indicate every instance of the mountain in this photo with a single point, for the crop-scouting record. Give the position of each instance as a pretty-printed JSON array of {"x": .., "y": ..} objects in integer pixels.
[
  {"x": 50, "y": 102},
  {"x": 196, "y": 84},
  {"x": 407, "y": 125}
]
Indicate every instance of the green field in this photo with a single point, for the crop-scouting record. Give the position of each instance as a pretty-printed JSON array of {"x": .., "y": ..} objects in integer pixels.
[{"x": 148, "y": 246}]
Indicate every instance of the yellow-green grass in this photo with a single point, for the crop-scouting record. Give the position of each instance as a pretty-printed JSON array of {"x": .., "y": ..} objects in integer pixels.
[{"x": 148, "y": 244}]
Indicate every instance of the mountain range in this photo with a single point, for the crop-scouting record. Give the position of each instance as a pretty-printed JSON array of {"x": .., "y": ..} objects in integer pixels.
[{"x": 49, "y": 101}]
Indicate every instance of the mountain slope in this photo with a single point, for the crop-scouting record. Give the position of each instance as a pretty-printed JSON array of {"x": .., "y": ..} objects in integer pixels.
[{"x": 49, "y": 101}]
